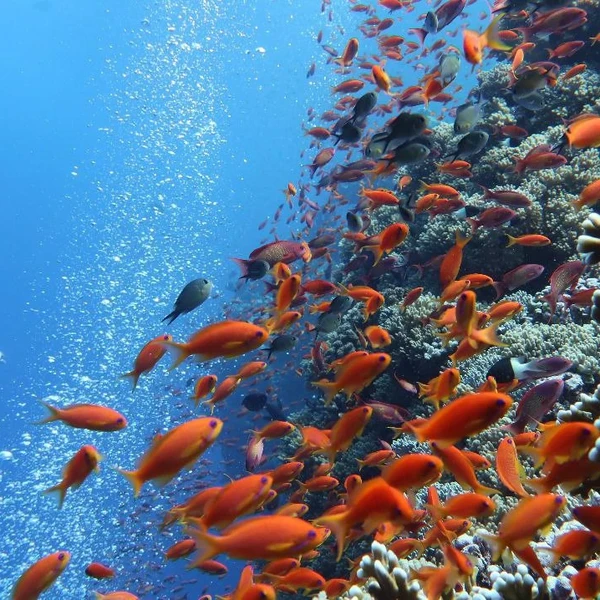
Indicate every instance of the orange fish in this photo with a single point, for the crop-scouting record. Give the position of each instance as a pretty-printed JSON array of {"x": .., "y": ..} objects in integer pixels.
[
  {"x": 589, "y": 196},
  {"x": 381, "y": 78},
  {"x": 204, "y": 386},
  {"x": 377, "y": 458},
  {"x": 413, "y": 471},
  {"x": 584, "y": 131},
  {"x": 509, "y": 469},
  {"x": 99, "y": 571},
  {"x": 378, "y": 336},
  {"x": 148, "y": 357},
  {"x": 379, "y": 197},
  {"x": 280, "y": 271},
  {"x": 284, "y": 320},
  {"x": 463, "y": 417},
  {"x": 349, "y": 426},
  {"x": 564, "y": 442},
  {"x": 532, "y": 239},
  {"x": 586, "y": 583},
  {"x": 180, "y": 549},
  {"x": 225, "y": 339},
  {"x": 172, "y": 452},
  {"x": 300, "y": 579},
  {"x": 356, "y": 376},
  {"x": 450, "y": 265},
  {"x": 441, "y": 388},
  {"x": 475, "y": 43},
  {"x": 372, "y": 298},
  {"x": 40, "y": 576},
  {"x": 287, "y": 292},
  {"x": 411, "y": 297},
  {"x": 371, "y": 504},
  {"x": 223, "y": 391},
  {"x": 236, "y": 499},
  {"x": 577, "y": 544},
  {"x": 461, "y": 467},
  {"x": 463, "y": 506},
  {"x": 76, "y": 471},
  {"x": 350, "y": 51},
  {"x": 86, "y": 416},
  {"x": 520, "y": 525},
  {"x": 259, "y": 538},
  {"x": 390, "y": 238},
  {"x": 274, "y": 430}
]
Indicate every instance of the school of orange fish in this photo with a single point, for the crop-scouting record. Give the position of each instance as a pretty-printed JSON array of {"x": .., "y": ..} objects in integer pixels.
[{"x": 382, "y": 506}]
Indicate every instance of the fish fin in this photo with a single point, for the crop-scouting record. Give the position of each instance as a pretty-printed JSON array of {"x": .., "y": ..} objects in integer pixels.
[
  {"x": 61, "y": 489},
  {"x": 134, "y": 479},
  {"x": 180, "y": 351},
  {"x": 329, "y": 388},
  {"x": 499, "y": 288},
  {"x": 377, "y": 253},
  {"x": 337, "y": 526},
  {"x": 420, "y": 33},
  {"x": 207, "y": 546},
  {"x": 492, "y": 37},
  {"x": 243, "y": 265},
  {"x": 134, "y": 378},
  {"x": 53, "y": 416},
  {"x": 171, "y": 316},
  {"x": 511, "y": 240},
  {"x": 495, "y": 543},
  {"x": 485, "y": 490},
  {"x": 414, "y": 429},
  {"x": 487, "y": 336}
]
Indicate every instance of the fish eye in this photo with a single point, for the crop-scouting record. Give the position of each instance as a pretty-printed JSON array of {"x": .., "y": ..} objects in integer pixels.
[
  {"x": 559, "y": 500},
  {"x": 61, "y": 556},
  {"x": 213, "y": 423},
  {"x": 381, "y": 358},
  {"x": 312, "y": 534},
  {"x": 259, "y": 334},
  {"x": 500, "y": 402},
  {"x": 509, "y": 442},
  {"x": 119, "y": 421},
  {"x": 166, "y": 336},
  {"x": 263, "y": 480}
]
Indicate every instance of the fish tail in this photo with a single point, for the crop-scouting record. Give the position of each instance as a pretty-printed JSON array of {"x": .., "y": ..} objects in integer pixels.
[
  {"x": 207, "y": 546},
  {"x": 420, "y": 33},
  {"x": 377, "y": 254},
  {"x": 460, "y": 240},
  {"x": 511, "y": 240},
  {"x": 539, "y": 484},
  {"x": 336, "y": 524},
  {"x": 437, "y": 512},
  {"x": 61, "y": 489},
  {"x": 53, "y": 416},
  {"x": 180, "y": 351},
  {"x": 171, "y": 316},
  {"x": 134, "y": 479},
  {"x": 329, "y": 388},
  {"x": 498, "y": 288},
  {"x": 243, "y": 265},
  {"x": 494, "y": 541},
  {"x": 133, "y": 376},
  {"x": 474, "y": 225},
  {"x": 414, "y": 428},
  {"x": 485, "y": 490},
  {"x": 487, "y": 336},
  {"x": 492, "y": 37}
]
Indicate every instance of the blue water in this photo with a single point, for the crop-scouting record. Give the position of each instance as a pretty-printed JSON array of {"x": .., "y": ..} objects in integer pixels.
[{"x": 143, "y": 143}]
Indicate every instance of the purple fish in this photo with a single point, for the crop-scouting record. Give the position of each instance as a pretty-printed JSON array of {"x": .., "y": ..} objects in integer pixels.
[
  {"x": 536, "y": 403},
  {"x": 564, "y": 277},
  {"x": 541, "y": 367},
  {"x": 517, "y": 278},
  {"x": 506, "y": 197},
  {"x": 492, "y": 218}
]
